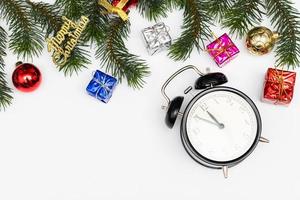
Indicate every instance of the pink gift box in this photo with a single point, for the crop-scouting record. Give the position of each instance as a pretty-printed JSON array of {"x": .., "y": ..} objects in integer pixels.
[{"x": 222, "y": 50}]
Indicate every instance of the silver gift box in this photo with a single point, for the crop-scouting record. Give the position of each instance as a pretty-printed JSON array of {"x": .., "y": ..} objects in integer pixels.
[{"x": 157, "y": 38}]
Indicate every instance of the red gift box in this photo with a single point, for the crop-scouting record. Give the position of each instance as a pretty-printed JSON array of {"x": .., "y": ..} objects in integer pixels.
[
  {"x": 279, "y": 86},
  {"x": 129, "y": 4}
]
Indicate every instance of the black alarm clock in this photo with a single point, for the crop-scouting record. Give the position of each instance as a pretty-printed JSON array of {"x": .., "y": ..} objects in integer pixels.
[{"x": 220, "y": 126}]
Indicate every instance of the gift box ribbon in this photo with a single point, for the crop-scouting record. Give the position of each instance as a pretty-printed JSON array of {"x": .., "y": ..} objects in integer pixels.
[
  {"x": 222, "y": 48},
  {"x": 102, "y": 88},
  {"x": 280, "y": 81},
  {"x": 158, "y": 35},
  {"x": 115, "y": 9}
]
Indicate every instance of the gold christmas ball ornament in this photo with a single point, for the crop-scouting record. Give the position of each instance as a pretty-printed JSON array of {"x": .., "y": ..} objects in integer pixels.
[{"x": 261, "y": 40}]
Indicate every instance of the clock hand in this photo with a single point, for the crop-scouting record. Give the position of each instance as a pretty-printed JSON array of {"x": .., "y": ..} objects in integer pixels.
[
  {"x": 220, "y": 125},
  {"x": 206, "y": 120}
]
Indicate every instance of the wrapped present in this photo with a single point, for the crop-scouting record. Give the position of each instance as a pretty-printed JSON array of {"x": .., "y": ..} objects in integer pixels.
[
  {"x": 157, "y": 38},
  {"x": 102, "y": 86},
  {"x": 127, "y": 3},
  {"x": 115, "y": 8},
  {"x": 279, "y": 86},
  {"x": 222, "y": 50}
]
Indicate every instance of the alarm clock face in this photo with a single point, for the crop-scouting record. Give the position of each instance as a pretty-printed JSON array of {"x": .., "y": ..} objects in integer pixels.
[{"x": 221, "y": 125}]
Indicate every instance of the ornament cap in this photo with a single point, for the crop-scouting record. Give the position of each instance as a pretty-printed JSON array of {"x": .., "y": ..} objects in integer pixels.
[
  {"x": 275, "y": 36},
  {"x": 18, "y": 63}
]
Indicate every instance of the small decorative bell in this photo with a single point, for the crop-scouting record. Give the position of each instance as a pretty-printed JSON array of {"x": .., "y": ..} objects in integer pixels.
[{"x": 261, "y": 40}]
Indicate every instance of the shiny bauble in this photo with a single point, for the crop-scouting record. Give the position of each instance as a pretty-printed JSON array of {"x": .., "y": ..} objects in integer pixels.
[
  {"x": 26, "y": 77},
  {"x": 261, "y": 40}
]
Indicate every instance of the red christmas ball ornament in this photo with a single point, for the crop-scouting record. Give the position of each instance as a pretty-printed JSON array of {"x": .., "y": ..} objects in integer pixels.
[
  {"x": 26, "y": 77},
  {"x": 129, "y": 4}
]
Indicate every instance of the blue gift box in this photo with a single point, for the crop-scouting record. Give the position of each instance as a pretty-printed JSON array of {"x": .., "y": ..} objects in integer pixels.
[{"x": 102, "y": 86}]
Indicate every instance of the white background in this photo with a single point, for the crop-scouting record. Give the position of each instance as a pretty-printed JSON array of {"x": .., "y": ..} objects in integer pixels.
[{"x": 60, "y": 143}]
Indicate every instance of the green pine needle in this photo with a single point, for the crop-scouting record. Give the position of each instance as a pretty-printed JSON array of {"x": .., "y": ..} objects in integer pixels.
[
  {"x": 243, "y": 15},
  {"x": 173, "y": 4},
  {"x": 95, "y": 29},
  {"x": 153, "y": 9},
  {"x": 218, "y": 8},
  {"x": 195, "y": 31},
  {"x": 46, "y": 15},
  {"x": 5, "y": 91},
  {"x": 72, "y": 9},
  {"x": 286, "y": 20},
  {"x": 116, "y": 57},
  {"x": 30, "y": 23},
  {"x": 79, "y": 60},
  {"x": 26, "y": 39}
]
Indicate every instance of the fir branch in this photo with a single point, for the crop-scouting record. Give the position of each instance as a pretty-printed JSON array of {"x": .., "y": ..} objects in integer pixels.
[
  {"x": 156, "y": 9},
  {"x": 95, "y": 29},
  {"x": 218, "y": 8},
  {"x": 286, "y": 21},
  {"x": 153, "y": 9},
  {"x": 116, "y": 57},
  {"x": 5, "y": 91},
  {"x": 175, "y": 4},
  {"x": 46, "y": 15},
  {"x": 196, "y": 31},
  {"x": 243, "y": 15},
  {"x": 78, "y": 60},
  {"x": 26, "y": 39},
  {"x": 72, "y": 9}
]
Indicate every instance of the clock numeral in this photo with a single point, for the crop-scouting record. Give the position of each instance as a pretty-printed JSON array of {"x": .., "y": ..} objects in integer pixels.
[
  {"x": 196, "y": 131},
  {"x": 200, "y": 144},
  {"x": 217, "y": 102},
  {"x": 242, "y": 110},
  {"x": 246, "y": 135},
  {"x": 196, "y": 117},
  {"x": 229, "y": 101},
  {"x": 247, "y": 122},
  {"x": 204, "y": 106}
]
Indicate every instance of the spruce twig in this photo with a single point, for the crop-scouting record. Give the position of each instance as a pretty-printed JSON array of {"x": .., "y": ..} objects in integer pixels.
[
  {"x": 72, "y": 9},
  {"x": 218, "y": 8},
  {"x": 5, "y": 91},
  {"x": 46, "y": 15},
  {"x": 78, "y": 60},
  {"x": 285, "y": 19},
  {"x": 96, "y": 27},
  {"x": 175, "y": 4},
  {"x": 116, "y": 57},
  {"x": 26, "y": 39},
  {"x": 195, "y": 31},
  {"x": 243, "y": 15},
  {"x": 153, "y": 9}
]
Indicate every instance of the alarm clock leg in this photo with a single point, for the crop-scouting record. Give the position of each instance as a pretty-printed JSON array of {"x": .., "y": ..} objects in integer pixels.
[
  {"x": 264, "y": 140},
  {"x": 225, "y": 171}
]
